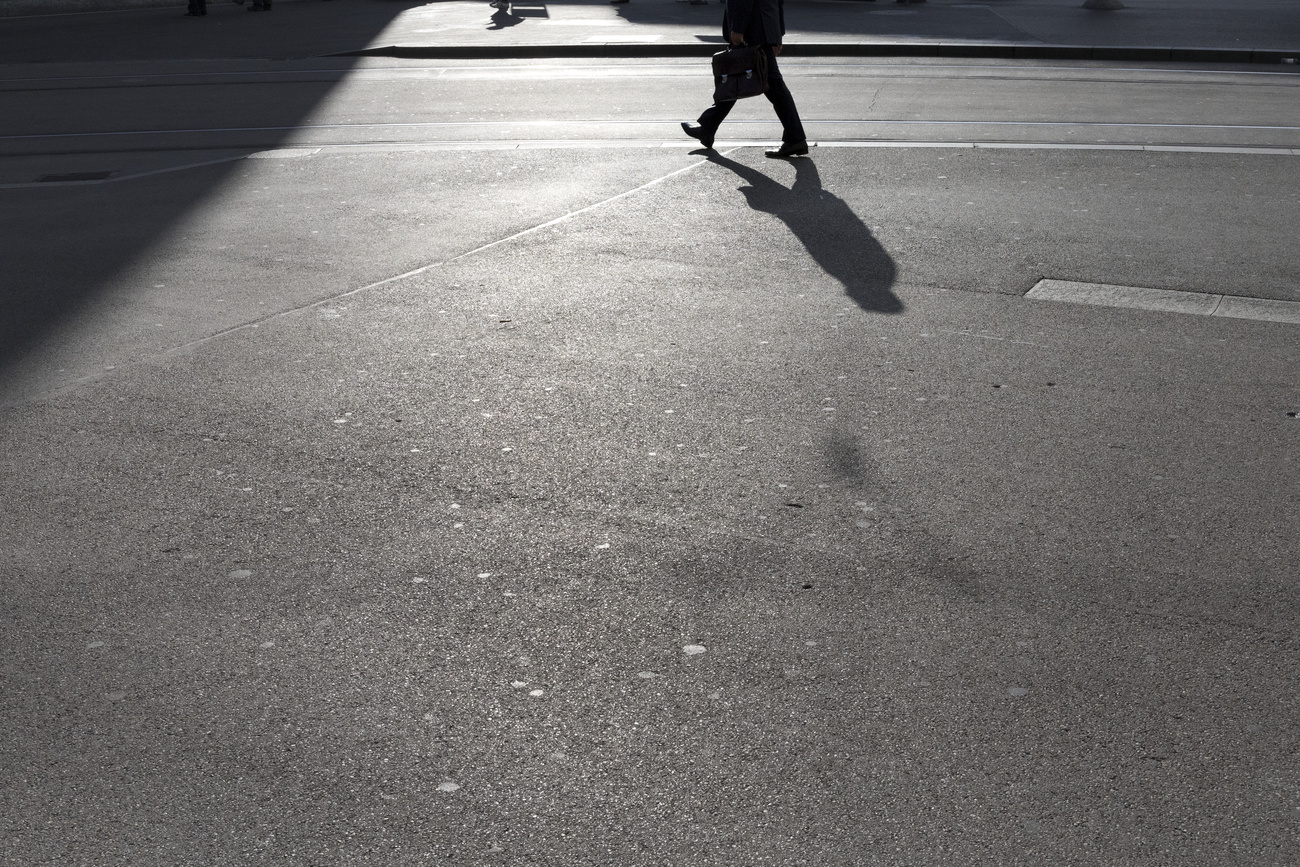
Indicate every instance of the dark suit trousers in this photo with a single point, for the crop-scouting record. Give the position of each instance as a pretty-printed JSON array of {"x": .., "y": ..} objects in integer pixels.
[{"x": 777, "y": 94}]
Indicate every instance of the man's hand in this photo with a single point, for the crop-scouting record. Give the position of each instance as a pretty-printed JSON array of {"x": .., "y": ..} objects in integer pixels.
[
  {"x": 737, "y": 38},
  {"x": 776, "y": 49}
]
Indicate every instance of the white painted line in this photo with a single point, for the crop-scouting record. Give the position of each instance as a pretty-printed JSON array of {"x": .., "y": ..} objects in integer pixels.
[
  {"x": 571, "y": 144},
  {"x": 1063, "y": 146},
  {"x": 481, "y": 144},
  {"x": 599, "y": 122},
  {"x": 622, "y": 40},
  {"x": 566, "y": 217},
  {"x": 533, "y": 67},
  {"x": 1202, "y": 149},
  {"x": 284, "y": 153},
  {"x": 889, "y": 144},
  {"x": 1166, "y": 300}
]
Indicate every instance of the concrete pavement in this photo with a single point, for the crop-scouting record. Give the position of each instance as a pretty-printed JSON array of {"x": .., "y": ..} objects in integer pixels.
[
  {"x": 440, "y": 463},
  {"x": 589, "y": 545},
  {"x": 987, "y": 211},
  {"x": 1197, "y": 31},
  {"x": 1266, "y": 31}
]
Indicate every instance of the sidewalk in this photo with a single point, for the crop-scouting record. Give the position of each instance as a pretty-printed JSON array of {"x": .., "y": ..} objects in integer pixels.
[
  {"x": 1162, "y": 30},
  {"x": 1180, "y": 30}
]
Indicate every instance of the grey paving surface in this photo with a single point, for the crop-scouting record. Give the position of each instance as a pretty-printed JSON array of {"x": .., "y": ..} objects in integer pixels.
[
  {"x": 471, "y": 478},
  {"x": 305, "y": 28},
  {"x": 1269, "y": 24},
  {"x": 990, "y": 221},
  {"x": 977, "y": 577}
]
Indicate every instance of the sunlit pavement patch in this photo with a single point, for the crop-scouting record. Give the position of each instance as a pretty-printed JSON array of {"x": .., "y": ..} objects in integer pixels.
[
  {"x": 284, "y": 153},
  {"x": 1166, "y": 300},
  {"x": 481, "y": 144}
]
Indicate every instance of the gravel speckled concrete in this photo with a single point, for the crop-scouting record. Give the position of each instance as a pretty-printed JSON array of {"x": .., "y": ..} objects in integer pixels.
[
  {"x": 982, "y": 579},
  {"x": 476, "y": 475}
]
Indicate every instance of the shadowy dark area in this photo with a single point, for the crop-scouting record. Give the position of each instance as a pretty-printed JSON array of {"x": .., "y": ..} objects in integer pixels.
[
  {"x": 833, "y": 235},
  {"x": 75, "y": 240},
  {"x": 63, "y": 244},
  {"x": 842, "y": 454},
  {"x": 503, "y": 18},
  {"x": 228, "y": 32}
]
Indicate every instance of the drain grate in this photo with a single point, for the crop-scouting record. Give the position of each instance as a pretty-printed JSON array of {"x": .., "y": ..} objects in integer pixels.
[{"x": 74, "y": 176}]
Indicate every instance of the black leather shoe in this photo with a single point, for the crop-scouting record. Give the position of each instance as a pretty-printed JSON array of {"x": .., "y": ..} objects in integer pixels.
[
  {"x": 790, "y": 149},
  {"x": 694, "y": 130}
]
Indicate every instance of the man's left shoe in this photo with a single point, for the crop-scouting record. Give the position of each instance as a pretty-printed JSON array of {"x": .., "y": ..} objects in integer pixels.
[{"x": 790, "y": 149}]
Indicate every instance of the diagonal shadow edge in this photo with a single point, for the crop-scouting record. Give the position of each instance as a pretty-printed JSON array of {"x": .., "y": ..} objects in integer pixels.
[
  {"x": 191, "y": 345},
  {"x": 66, "y": 244}
]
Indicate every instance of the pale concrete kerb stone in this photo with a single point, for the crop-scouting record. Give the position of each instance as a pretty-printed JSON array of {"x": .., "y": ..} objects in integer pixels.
[
  {"x": 1137, "y": 297},
  {"x": 1166, "y": 300}
]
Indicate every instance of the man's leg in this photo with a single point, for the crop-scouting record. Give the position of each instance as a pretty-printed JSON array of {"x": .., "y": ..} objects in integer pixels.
[
  {"x": 779, "y": 95},
  {"x": 714, "y": 115}
]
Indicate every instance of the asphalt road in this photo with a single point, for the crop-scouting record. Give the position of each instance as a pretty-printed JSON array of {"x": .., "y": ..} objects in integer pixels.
[
  {"x": 523, "y": 490},
  {"x": 356, "y": 151}
]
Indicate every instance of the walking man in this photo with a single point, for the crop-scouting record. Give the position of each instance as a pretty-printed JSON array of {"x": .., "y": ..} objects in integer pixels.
[{"x": 760, "y": 23}]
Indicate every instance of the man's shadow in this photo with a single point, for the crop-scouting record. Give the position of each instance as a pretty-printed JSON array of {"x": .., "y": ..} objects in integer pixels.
[
  {"x": 503, "y": 18},
  {"x": 833, "y": 235}
]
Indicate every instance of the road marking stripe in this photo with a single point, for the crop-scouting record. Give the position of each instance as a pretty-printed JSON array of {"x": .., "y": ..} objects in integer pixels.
[
  {"x": 580, "y": 123},
  {"x": 522, "y": 144},
  {"x": 539, "y": 144},
  {"x": 494, "y": 70},
  {"x": 1166, "y": 300}
]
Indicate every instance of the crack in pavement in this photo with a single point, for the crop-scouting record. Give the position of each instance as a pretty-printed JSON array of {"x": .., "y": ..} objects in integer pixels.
[{"x": 194, "y": 344}]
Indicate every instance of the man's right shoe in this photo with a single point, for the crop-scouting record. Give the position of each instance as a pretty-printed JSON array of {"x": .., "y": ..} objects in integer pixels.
[
  {"x": 785, "y": 151},
  {"x": 695, "y": 131}
]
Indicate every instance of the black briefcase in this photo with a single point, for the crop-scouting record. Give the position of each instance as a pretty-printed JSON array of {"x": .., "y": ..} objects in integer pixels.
[{"x": 739, "y": 73}]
